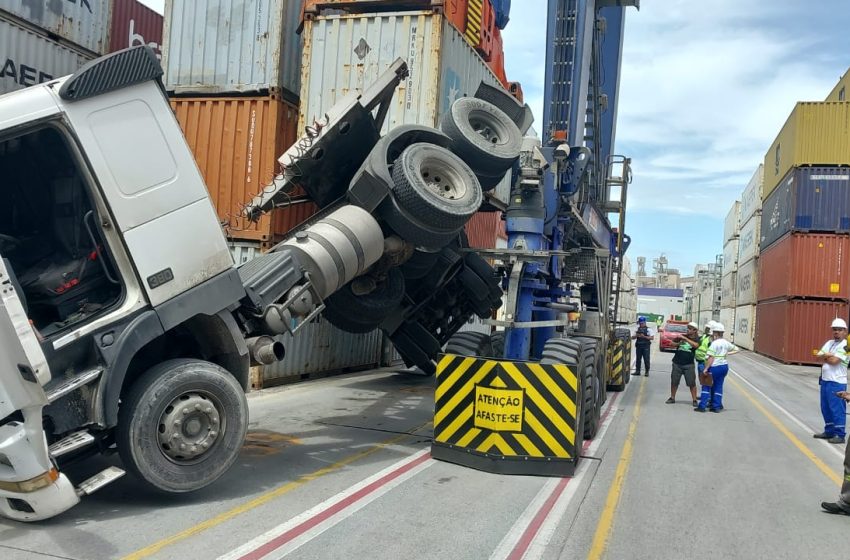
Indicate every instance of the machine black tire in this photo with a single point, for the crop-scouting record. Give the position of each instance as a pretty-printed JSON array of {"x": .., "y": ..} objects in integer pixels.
[
  {"x": 367, "y": 310},
  {"x": 419, "y": 265},
  {"x": 411, "y": 229},
  {"x": 488, "y": 183},
  {"x": 570, "y": 352},
  {"x": 145, "y": 406},
  {"x": 436, "y": 186},
  {"x": 483, "y": 135},
  {"x": 497, "y": 343},
  {"x": 484, "y": 271},
  {"x": 476, "y": 292},
  {"x": 470, "y": 344},
  {"x": 593, "y": 397}
]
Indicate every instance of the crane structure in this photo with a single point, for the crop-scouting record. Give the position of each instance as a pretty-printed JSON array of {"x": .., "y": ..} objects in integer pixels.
[{"x": 566, "y": 237}]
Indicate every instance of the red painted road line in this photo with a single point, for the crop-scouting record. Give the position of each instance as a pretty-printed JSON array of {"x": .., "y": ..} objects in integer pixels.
[
  {"x": 332, "y": 510},
  {"x": 534, "y": 527}
]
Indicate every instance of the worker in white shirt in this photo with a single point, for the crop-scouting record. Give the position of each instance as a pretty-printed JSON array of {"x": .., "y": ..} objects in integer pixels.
[
  {"x": 833, "y": 380},
  {"x": 711, "y": 396}
]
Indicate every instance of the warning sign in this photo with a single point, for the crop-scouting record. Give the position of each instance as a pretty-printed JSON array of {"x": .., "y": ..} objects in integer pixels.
[{"x": 498, "y": 410}]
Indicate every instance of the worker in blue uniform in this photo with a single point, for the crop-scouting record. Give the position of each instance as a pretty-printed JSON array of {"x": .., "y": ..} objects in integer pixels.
[
  {"x": 833, "y": 380},
  {"x": 717, "y": 366},
  {"x": 643, "y": 345}
]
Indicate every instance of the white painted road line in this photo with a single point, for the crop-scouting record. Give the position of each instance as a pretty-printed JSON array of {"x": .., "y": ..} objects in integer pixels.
[
  {"x": 299, "y": 530},
  {"x": 830, "y": 446},
  {"x": 534, "y": 529}
]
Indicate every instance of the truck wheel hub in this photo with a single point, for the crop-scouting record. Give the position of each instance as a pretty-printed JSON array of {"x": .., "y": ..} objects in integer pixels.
[
  {"x": 487, "y": 127},
  {"x": 442, "y": 179},
  {"x": 188, "y": 427}
]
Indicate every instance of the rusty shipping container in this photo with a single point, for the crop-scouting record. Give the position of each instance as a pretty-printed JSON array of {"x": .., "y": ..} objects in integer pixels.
[
  {"x": 806, "y": 265},
  {"x": 135, "y": 24},
  {"x": 808, "y": 199},
  {"x": 217, "y": 47},
  {"x": 483, "y": 230},
  {"x": 236, "y": 142},
  {"x": 84, "y": 23},
  {"x": 30, "y": 58},
  {"x": 792, "y": 331},
  {"x": 814, "y": 134}
]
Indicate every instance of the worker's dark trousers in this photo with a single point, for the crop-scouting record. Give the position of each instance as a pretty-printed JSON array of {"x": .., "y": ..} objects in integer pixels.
[
  {"x": 642, "y": 352},
  {"x": 844, "y": 500},
  {"x": 833, "y": 408}
]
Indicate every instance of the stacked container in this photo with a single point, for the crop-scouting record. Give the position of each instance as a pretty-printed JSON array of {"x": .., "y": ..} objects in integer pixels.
[
  {"x": 731, "y": 243},
  {"x": 748, "y": 251},
  {"x": 803, "y": 279}
]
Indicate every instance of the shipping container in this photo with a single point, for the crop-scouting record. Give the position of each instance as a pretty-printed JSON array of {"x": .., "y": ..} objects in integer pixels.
[
  {"x": 792, "y": 331},
  {"x": 83, "y": 23},
  {"x": 728, "y": 289},
  {"x": 732, "y": 223},
  {"x": 244, "y": 251},
  {"x": 746, "y": 292},
  {"x": 751, "y": 197},
  {"x": 31, "y": 58},
  {"x": 730, "y": 256},
  {"x": 841, "y": 89},
  {"x": 748, "y": 243},
  {"x": 745, "y": 326},
  {"x": 707, "y": 299},
  {"x": 808, "y": 199},
  {"x": 321, "y": 348},
  {"x": 483, "y": 229},
  {"x": 814, "y": 134},
  {"x": 727, "y": 319},
  {"x": 216, "y": 47},
  {"x": 806, "y": 265},
  {"x": 135, "y": 24},
  {"x": 236, "y": 142}
]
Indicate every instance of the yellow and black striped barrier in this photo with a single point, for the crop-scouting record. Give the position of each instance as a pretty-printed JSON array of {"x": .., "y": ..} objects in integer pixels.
[
  {"x": 507, "y": 417},
  {"x": 616, "y": 368},
  {"x": 474, "y": 22}
]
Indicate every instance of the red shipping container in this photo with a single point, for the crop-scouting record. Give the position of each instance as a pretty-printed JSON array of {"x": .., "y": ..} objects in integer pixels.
[
  {"x": 483, "y": 229},
  {"x": 792, "y": 331},
  {"x": 806, "y": 265},
  {"x": 135, "y": 24}
]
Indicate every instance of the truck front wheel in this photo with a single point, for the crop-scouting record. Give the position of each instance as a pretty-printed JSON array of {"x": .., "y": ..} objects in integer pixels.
[{"x": 181, "y": 425}]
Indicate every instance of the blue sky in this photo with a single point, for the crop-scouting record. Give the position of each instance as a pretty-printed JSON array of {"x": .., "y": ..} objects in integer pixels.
[{"x": 705, "y": 88}]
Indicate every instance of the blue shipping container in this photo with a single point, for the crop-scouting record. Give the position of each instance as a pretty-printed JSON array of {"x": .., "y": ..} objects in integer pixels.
[
  {"x": 807, "y": 199},
  {"x": 503, "y": 12}
]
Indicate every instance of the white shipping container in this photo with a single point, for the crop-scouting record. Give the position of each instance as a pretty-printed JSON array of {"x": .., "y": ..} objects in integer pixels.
[
  {"x": 748, "y": 243},
  {"x": 705, "y": 299},
  {"x": 29, "y": 58},
  {"x": 730, "y": 257},
  {"x": 82, "y": 22},
  {"x": 728, "y": 288},
  {"x": 727, "y": 319},
  {"x": 732, "y": 222},
  {"x": 231, "y": 46},
  {"x": 751, "y": 198},
  {"x": 745, "y": 326},
  {"x": 747, "y": 284}
]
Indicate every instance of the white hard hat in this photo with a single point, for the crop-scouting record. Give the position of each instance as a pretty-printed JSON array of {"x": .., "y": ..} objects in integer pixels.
[
  {"x": 718, "y": 327},
  {"x": 839, "y": 324},
  {"x": 693, "y": 325},
  {"x": 710, "y": 325}
]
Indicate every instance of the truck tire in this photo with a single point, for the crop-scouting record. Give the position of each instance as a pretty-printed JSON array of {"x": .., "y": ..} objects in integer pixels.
[
  {"x": 592, "y": 382},
  {"x": 413, "y": 353},
  {"x": 419, "y": 265},
  {"x": 361, "y": 314},
  {"x": 436, "y": 186},
  {"x": 570, "y": 352},
  {"x": 470, "y": 344},
  {"x": 486, "y": 272},
  {"x": 483, "y": 135},
  {"x": 626, "y": 336},
  {"x": 181, "y": 425},
  {"x": 497, "y": 344}
]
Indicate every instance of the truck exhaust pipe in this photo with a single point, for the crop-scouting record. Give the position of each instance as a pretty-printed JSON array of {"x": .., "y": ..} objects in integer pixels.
[{"x": 265, "y": 350}]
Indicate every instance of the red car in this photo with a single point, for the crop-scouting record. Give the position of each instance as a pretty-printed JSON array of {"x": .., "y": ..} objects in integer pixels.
[{"x": 669, "y": 333}]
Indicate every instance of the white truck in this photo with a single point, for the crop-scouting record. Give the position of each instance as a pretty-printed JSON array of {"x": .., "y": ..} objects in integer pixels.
[{"x": 124, "y": 324}]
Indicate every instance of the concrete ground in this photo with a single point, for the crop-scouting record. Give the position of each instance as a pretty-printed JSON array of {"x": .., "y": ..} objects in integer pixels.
[{"x": 338, "y": 468}]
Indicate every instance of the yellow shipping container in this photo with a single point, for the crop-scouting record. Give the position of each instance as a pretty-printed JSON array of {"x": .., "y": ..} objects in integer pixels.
[
  {"x": 839, "y": 92},
  {"x": 816, "y": 133}
]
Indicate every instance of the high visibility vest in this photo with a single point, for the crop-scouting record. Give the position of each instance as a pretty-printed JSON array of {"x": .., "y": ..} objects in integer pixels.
[{"x": 702, "y": 349}]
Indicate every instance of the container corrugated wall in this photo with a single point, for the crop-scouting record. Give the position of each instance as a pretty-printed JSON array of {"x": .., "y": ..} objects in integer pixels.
[
  {"x": 727, "y": 319},
  {"x": 31, "y": 58},
  {"x": 792, "y": 331},
  {"x": 236, "y": 142},
  {"x": 746, "y": 281},
  {"x": 748, "y": 242},
  {"x": 85, "y": 24},
  {"x": 806, "y": 265},
  {"x": 732, "y": 222},
  {"x": 751, "y": 198},
  {"x": 483, "y": 229},
  {"x": 809, "y": 199},
  {"x": 134, "y": 24},
  {"x": 814, "y": 134},
  {"x": 730, "y": 256},
  {"x": 745, "y": 326},
  {"x": 243, "y": 251},
  {"x": 319, "y": 348},
  {"x": 728, "y": 288},
  {"x": 231, "y": 46}
]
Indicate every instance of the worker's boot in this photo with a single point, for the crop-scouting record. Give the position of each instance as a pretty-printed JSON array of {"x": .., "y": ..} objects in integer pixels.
[{"x": 834, "y": 507}]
